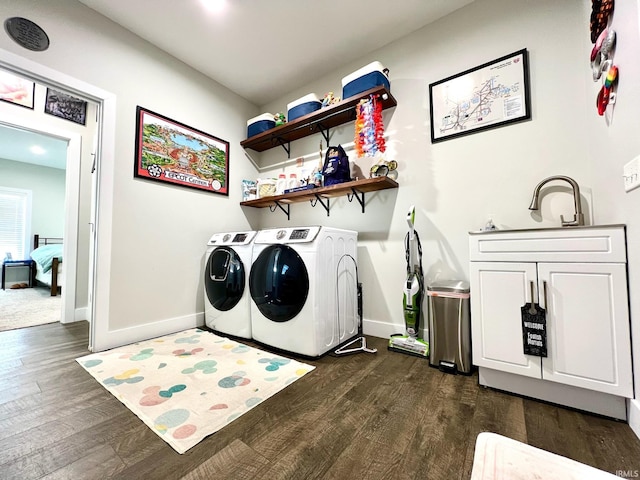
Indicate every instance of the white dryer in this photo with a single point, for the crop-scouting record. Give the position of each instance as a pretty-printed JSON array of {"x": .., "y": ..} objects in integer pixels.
[
  {"x": 304, "y": 288},
  {"x": 226, "y": 281}
]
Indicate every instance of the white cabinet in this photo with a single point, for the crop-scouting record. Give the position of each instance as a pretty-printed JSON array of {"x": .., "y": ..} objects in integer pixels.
[{"x": 579, "y": 277}]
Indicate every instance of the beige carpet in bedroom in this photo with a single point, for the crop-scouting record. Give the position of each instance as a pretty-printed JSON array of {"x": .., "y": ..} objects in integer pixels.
[{"x": 27, "y": 307}]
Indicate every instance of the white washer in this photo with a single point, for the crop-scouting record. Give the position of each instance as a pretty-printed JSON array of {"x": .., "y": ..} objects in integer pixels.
[
  {"x": 303, "y": 288},
  {"x": 226, "y": 283}
]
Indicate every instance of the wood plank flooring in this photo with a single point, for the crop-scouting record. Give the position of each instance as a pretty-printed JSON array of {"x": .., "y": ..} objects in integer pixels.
[{"x": 364, "y": 416}]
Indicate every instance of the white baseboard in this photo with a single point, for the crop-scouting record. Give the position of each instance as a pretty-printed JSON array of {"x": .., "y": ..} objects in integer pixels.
[
  {"x": 634, "y": 416},
  {"x": 80, "y": 314},
  {"x": 379, "y": 329},
  {"x": 137, "y": 333}
]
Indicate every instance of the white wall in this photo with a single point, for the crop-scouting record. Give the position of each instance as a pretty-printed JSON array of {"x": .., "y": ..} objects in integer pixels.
[
  {"x": 456, "y": 184},
  {"x": 47, "y": 185},
  {"x": 613, "y": 140},
  {"x": 159, "y": 232}
]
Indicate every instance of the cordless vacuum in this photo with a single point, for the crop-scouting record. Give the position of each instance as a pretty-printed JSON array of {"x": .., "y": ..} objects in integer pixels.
[{"x": 413, "y": 293}]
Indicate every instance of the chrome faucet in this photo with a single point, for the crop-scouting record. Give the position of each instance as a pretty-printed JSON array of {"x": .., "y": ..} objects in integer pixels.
[{"x": 578, "y": 217}]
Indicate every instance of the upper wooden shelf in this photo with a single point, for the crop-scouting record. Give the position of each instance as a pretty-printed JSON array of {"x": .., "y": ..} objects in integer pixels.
[{"x": 319, "y": 121}]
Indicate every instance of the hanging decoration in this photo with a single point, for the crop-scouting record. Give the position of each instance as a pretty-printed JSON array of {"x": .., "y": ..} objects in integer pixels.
[
  {"x": 604, "y": 38},
  {"x": 369, "y": 128}
]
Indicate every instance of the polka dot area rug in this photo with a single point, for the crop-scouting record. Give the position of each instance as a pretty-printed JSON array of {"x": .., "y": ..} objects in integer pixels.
[{"x": 188, "y": 385}]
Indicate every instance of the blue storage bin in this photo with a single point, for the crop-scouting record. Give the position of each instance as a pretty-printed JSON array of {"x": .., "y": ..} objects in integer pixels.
[
  {"x": 260, "y": 124},
  {"x": 303, "y": 106},
  {"x": 366, "y": 78}
]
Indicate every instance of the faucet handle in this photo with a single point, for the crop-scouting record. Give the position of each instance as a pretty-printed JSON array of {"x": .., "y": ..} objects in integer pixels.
[{"x": 578, "y": 219}]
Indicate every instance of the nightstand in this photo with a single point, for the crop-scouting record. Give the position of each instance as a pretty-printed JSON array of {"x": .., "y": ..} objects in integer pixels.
[{"x": 18, "y": 263}]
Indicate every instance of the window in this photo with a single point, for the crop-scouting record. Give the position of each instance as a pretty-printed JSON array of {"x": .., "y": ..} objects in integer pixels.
[{"x": 15, "y": 222}]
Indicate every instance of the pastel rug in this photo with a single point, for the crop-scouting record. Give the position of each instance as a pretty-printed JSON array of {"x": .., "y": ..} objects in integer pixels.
[{"x": 188, "y": 385}]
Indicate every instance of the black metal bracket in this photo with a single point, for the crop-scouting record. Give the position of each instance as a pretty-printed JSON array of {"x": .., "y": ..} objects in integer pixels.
[
  {"x": 357, "y": 197},
  {"x": 285, "y": 145},
  {"x": 319, "y": 199},
  {"x": 324, "y": 132},
  {"x": 278, "y": 205}
]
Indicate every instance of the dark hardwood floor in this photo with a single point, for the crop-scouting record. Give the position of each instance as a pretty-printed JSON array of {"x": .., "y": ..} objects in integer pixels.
[{"x": 364, "y": 416}]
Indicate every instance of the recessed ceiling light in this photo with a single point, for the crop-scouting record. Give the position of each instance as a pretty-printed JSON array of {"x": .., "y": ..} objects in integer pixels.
[
  {"x": 214, "y": 6},
  {"x": 38, "y": 150}
]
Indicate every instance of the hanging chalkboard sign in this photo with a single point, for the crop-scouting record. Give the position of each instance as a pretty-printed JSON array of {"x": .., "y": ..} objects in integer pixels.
[{"x": 534, "y": 330}]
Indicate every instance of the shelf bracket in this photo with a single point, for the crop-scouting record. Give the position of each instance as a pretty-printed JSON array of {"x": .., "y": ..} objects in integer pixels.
[
  {"x": 357, "y": 196},
  {"x": 324, "y": 132},
  {"x": 285, "y": 145},
  {"x": 319, "y": 199},
  {"x": 278, "y": 205}
]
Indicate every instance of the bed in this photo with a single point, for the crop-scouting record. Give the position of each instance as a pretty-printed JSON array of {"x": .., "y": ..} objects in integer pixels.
[{"x": 47, "y": 256}]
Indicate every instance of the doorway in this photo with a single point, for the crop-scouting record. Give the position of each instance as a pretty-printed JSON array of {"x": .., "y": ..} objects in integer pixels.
[
  {"x": 102, "y": 178},
  {"x": 68, "y": 144}
]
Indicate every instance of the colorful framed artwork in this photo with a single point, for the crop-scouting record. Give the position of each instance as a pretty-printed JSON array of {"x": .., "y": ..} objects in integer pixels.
[
  {"x": 172, "y": 152},
  {"x": 16, "y": 90},
  {"x": 488, "y": 96},
  {"x": 65, "y": 106}
]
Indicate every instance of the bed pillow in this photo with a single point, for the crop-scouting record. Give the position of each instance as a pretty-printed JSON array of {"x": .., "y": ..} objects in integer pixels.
[{"x": 44, "y": 255}]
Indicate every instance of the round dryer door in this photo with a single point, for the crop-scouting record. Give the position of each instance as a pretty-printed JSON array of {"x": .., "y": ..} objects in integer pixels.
[
  {"x": 224, "y": 278},
  {"x": 279, "y": 283}
]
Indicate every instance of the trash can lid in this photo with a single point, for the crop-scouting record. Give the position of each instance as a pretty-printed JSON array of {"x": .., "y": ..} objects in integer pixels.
[{"x": 457, "y": 286}]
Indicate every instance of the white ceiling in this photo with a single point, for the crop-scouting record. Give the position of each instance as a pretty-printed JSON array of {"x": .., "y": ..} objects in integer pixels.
[
  {"x": 263, "y": 49},
  {"x": 16, "y": 143}
]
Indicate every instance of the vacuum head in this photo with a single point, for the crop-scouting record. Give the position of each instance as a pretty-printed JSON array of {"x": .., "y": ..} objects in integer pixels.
[{"x": 409, "y": 345}]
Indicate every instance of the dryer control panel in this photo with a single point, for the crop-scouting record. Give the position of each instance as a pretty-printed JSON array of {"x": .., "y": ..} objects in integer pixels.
[{"x": 288, "y": 235}]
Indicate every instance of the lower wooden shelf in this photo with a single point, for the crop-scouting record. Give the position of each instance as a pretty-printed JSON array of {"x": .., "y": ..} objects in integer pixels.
[{"x": 355, "y": 188}]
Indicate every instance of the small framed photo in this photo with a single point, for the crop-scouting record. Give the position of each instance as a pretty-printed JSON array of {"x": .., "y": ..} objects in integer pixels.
[
  {"x": 172, "y": 152},
  {"x": 16, "y": 90},
  {"x": 66, "y": 106},
  {"x": 487, "y": 96}
]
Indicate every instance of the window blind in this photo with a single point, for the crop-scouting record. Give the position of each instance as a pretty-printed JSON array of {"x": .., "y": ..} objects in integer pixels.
[{"x": 15, "y": 213}]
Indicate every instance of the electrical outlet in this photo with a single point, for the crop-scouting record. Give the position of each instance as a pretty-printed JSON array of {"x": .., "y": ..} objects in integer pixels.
[{"x": 632, "y": 174}]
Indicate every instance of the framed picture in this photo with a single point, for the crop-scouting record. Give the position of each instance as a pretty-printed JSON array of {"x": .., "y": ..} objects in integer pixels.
[
  {"x": 65, "y": 106},
  {"x": 171, "y": 152},
  {"x": 488, "y": 96},
  {"x": 16, "y": 90}
]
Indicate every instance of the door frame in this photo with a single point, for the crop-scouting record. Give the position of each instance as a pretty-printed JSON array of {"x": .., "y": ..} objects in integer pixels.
[{"x": 100, "y": 269}]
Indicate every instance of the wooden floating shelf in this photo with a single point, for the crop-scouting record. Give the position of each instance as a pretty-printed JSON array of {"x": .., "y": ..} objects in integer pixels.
[
  {"x": 319, "y": 121},
  {"x": 355, "y": 188}
]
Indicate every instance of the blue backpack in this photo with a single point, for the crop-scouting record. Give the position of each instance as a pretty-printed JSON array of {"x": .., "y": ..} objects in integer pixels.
[{"x": 336, "y": 166}]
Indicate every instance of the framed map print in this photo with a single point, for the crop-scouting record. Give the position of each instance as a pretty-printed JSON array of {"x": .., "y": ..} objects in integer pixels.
[{"x": 488, "y": 96}]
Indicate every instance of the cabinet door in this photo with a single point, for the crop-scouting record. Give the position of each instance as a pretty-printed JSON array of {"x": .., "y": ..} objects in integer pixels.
[
  {"x": 587, "y": 326},
  {"x": 498, "y": 291}
]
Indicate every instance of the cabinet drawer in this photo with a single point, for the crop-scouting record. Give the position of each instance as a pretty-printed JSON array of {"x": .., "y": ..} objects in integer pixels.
[{"x": 569, "y": 244}]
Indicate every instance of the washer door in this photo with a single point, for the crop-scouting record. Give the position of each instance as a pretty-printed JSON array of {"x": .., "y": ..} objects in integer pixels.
[
  {"x": 224, "y": 278},
  {"x": 279, "y": 283}
]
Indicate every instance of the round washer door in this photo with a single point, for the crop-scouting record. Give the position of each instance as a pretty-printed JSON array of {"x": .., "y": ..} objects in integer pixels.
[
  {"x": 279, "y": 283},
  {"x": 224, "y": 278}
]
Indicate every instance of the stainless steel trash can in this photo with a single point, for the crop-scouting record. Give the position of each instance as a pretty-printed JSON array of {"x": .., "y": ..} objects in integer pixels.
[{"x": 449, "y": 326}]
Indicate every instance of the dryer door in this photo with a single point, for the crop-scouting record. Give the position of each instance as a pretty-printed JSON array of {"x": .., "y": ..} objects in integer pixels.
[
  {"x": 279, "y": 283},
  {"x": 224, "y": 278}
]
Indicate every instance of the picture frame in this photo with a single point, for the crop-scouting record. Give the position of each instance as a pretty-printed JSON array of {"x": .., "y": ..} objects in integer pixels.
[
  {"x": 491, "y": 95},
  {"x": 65, "y": 106},
  {"x": 171, "y": 152},
  {"x": 17, "y": 90}
]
